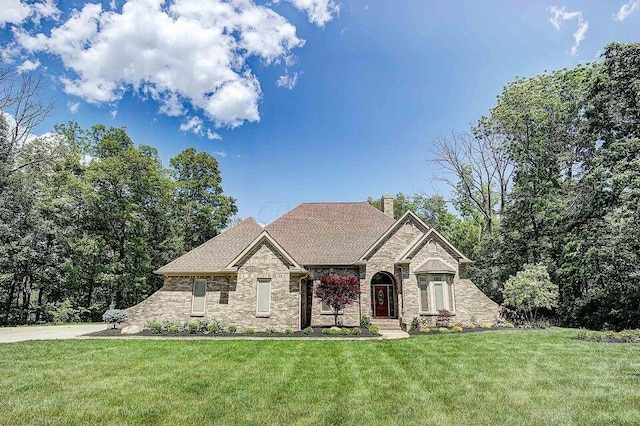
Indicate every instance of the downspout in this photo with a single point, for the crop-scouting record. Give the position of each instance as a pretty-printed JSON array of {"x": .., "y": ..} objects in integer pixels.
[{"x": 300, "y": 299}]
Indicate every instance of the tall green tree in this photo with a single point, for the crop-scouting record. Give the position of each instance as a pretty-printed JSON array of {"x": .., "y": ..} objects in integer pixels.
[{"x": 202, "y": 209}]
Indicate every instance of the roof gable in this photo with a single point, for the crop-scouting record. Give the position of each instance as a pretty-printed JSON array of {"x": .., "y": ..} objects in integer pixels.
[
  {"x": 215, "y": 254},
  {"x": 414, "y": 248},
  {"x": 263, "y": 238}
]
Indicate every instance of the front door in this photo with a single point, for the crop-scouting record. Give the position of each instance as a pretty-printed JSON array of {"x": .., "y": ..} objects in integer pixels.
[{"x": 381, "y": 298}]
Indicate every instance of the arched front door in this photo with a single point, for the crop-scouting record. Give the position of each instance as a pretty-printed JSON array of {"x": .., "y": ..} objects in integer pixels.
[{"x": 383, "y": 295}]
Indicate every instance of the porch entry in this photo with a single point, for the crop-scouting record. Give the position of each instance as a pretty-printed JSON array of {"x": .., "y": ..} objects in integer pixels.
[{"x": 383, "y": 296}]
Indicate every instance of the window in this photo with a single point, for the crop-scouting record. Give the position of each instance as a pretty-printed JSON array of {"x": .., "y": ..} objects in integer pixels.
[
  {"x": 264, "y": 297},
  {"x": 436, "y": 293},
  {"x": 198, "y": 299}
]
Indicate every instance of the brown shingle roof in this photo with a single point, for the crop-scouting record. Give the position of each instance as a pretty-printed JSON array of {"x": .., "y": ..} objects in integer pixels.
[
  {"x": 216, "y": 253},
  {"x": 435, "y": 266},
  {"x": 329, "y": 233}
]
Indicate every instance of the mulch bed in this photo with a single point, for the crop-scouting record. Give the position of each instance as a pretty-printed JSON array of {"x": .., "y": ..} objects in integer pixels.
[
  {"x": 415, "y": 332},
  {"x": 317, "y": 333}
]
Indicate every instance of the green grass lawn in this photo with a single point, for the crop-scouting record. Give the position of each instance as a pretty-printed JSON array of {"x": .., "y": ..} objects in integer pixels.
[{"x": 514, "y": 377}]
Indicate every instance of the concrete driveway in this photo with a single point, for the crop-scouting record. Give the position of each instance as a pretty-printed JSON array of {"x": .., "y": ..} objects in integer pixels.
[{"x": 47, "y": 332}]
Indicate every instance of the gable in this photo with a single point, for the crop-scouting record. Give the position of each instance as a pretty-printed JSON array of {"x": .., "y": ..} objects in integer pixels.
[
  {"x": 409, "y": 219},
  {"x": 265, "y": 240}
]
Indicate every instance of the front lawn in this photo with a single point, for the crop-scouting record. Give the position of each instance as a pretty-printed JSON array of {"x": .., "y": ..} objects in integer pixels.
[{"x": 498, "y": 377}]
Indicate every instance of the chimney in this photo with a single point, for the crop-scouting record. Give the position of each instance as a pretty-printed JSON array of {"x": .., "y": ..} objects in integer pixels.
[{"x": 387, "y": 205}]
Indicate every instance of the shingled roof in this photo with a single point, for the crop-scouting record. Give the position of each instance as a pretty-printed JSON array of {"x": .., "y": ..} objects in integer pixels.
[
  {"x": 435, "y": 266},
  {"x": 215, "y": 254},
  {"x": 329, "y": 233}
]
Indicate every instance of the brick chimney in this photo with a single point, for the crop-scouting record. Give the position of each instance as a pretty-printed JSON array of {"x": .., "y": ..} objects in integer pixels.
[{"x": 387, "y": 205}]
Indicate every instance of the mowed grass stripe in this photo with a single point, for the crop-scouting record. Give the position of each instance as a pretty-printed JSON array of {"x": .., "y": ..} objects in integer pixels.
[{"x": 517, "y": 377}]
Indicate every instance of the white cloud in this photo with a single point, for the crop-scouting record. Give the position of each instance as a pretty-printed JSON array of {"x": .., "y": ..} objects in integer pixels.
[
  {"x": 73, "y": 107},
  {"x": 28, "y": 65},
  {"x": 319, "y": 11},
  {"x": 213, "y": 135},
  {"x": 17, "y": 11},
  {"x": 114, "y": 113},
  {"x": 288, "y": 81},
  {"x": 559, "y": 14},
  {"x": 626, "y": 10},
  {"x": 143, "y": 48},
  {"x": 220, "y": 153},
  {"x": 193, "y": 125}
]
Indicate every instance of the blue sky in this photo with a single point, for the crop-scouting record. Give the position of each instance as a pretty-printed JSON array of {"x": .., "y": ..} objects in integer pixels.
[{"x": 302, "y": 100}]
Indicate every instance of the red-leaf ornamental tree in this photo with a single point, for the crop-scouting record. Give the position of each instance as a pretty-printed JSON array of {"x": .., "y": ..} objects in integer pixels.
[{"x": 338, "y": 291}]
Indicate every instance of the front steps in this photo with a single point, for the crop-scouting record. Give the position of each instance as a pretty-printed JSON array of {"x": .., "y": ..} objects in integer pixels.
[{"x": 386, "y": 323}]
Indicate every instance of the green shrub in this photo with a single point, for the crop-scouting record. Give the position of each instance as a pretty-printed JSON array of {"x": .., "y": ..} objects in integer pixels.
[
  {"x": 232, "y": 329},
  {"x": 365, "y": 322},
  {"x": 115, "y": 316},
  {"x": 289, "y": 332},
  {"x": 155, "y": 327},
  {"x": 356, "y": 331},
  {"x": 443, "y": 330},
  {"x": 415, "y": 323},
  {"x": 330, "y": 331},
  {"x": 425, "y": 329},
  {"x": 456, "y": 329},
  {"x": 250, "y": 330},
  {"x": 270, "y": 330},
  {"x": 213, "y": 328},
  {"x": 509, "y": 325},
  {"x": 345, "y": 331},
  {"x": 64, "y": 312},
  {"x": 435, "y": 330},
  {"x": 485, "y": 325},
  {"x": 471, "y": 326},
  {"x": 307, "y": 331},
  {"x": 193, "y": 327},
  {"x": 173, "y": 329},
  {"x": 374, "y": 329}
]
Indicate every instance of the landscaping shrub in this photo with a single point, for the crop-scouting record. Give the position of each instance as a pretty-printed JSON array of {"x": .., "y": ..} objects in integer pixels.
[
  {"x": 270, "y": 330},
  {"x": 173, "y": 329},
  {"x": 307, "y": 331},
  {"x": 213, "y": 328},
  {"x": 330, "y": 331},
  {"x": 443, "y": 330},
  {"x": 356, "y": 330},
  {"x": 155, "y": 327},
  {"x": 456, "y": 329},
  {"x": 374, "y": 329},
  {"x": 115, "y": 316},
  {"x": 509, "y": 325},
  {"x": 345, "y": 331},
  {"x": 250, "y": 330},
  {"x": 485, "y": 325},
  {"x": 289, "y": 332},
  {"x": 232, "y": 329},
  {"x": 365, "y": 322},
  {"x": 415, "y": 323},
  {"x": 64, "y": 312},
  {"x": 192, "y": 327},
  {"x": 425, "y": 330}
]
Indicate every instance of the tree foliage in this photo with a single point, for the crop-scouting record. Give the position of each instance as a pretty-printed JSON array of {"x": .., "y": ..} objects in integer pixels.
[
  {"x": 529, "y": 290},
  {"x": 338, "y": 291}
]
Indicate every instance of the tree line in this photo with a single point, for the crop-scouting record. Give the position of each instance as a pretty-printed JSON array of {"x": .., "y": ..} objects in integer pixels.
[
  {"x": 551, "y": 178},
  {"x": 86, "y": 215}
]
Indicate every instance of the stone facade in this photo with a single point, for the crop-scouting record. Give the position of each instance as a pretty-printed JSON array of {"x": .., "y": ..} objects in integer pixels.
[{"x": 232, "y": 298}]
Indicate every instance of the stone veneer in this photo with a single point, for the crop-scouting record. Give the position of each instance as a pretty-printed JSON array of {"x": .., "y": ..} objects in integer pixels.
[{"x": 231, "y": 299}]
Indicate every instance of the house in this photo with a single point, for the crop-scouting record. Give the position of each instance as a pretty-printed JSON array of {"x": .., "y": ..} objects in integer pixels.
[{"x": 263, "y": 277}]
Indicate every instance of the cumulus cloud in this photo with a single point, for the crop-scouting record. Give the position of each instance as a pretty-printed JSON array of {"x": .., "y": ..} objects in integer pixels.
[
  {"x": 212, "y": 136},
  {"x": 181, "y": 53},
  {"x": 17, "y": 11},
  {"x": 28, "y": 65},
  {"x": 559, "y": 14},
  {"x": 626, "y": 10},
  {"x": 73, "y": 107},
  {"x": 319, "y": 11},
  {"x": 193, "y": 125},
  {"x": 288, "y": 81}
]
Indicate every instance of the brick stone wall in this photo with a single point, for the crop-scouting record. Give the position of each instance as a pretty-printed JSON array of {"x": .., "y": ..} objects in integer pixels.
[{"x": 230, "y": 299}]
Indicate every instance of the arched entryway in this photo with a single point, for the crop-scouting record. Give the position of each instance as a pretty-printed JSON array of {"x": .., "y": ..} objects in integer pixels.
[{"x": 384, "y": 297}]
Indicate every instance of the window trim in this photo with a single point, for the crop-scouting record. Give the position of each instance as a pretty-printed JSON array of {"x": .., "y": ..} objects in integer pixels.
[
  {"x": 448, "y": 293},
  {"x": 262, "y": 314},
  {"x": 195, "y": 313}
]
